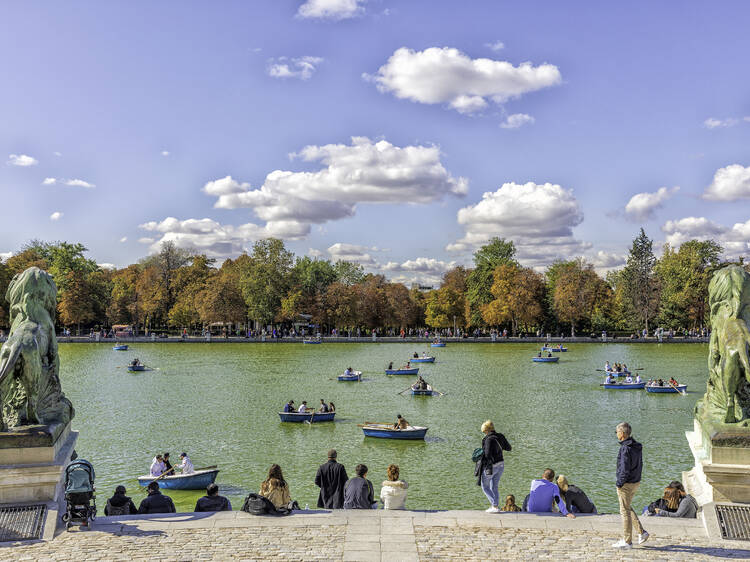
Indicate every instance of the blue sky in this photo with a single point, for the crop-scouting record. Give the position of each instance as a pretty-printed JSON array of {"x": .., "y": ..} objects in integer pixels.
[{"x": 417, "y": 129}]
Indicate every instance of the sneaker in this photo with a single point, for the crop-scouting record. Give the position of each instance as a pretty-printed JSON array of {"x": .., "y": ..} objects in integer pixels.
[
  {"x": 643, "y": 537},
  {"x": 622, "y": 544},
  {"x": 492, "y": 509}
]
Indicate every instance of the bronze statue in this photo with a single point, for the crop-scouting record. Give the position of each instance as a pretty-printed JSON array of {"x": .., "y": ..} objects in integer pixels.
[
  {"x": 727, "y": 398},
  {"x": 30, "y": 391}
]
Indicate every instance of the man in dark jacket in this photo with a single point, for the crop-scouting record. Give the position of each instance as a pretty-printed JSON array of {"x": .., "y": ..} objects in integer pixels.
[
  {"x": 156, "y": 502},
  {"x": 120, "y": 504},
  {"x": 331, "y": 479},
  {"x": 212, "y": 501},
  {"x": 629, "y": 468},
  {"x": 358, "y": 492}
]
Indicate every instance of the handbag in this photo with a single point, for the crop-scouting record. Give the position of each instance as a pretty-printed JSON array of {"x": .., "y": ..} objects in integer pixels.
[{"x": 476, "y": 456}]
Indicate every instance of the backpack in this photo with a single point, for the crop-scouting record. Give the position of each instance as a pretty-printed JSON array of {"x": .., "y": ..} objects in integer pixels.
[
  {"x": 117, "y": 509},
  {"x": 255, "y": 504}
]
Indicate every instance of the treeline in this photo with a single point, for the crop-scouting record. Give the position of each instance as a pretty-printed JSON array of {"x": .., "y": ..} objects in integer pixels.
[{"x": 270, "y": 286}]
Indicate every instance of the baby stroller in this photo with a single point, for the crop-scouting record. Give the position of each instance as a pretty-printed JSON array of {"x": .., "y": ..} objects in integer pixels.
[{"x": 79, "y": 493}]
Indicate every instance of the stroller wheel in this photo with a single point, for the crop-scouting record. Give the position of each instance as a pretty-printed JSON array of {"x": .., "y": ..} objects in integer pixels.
[
  {"x": 66, "y": 517},
  {"x": 68, "y": 525}
]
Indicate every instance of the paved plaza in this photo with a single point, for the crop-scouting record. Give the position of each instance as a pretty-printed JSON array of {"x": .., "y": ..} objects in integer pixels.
[{"x": 374, "y": 536}]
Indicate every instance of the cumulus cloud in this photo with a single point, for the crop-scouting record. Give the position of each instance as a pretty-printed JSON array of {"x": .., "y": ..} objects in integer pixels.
[
  {"x": 22, "y": 160},
  {"x": 5, "y": 255},
  {"x": 642, "y": 206},
  {"x": 713, "y": 123},
  {"x": 729, "y": 184},
  {"x": 351, "y": 252},
  {"x": 124, "y": 239},
  {"x": 107, "y": 265},
  {"x": 539, "y": 218},
  {"x": 495, "y": 45},
  {"x": 331, "y": 9},
  {"x": 734, "y": 239},
  {"x": 165, "y": 153},
  {"x": 314, "y": 253},
  {"x": 57, "y": 215},
  {"x": 363, "y": 172},
  {"x": 71, "y": 183},
  {"x": 49, "y": 181},
  {"x": 604, "y": 261},
  {"x": 430, "y": 266},
  {"x": 517, "y": 120},
  {"x": 295, "y": 67},
  {"x": 446, "y": 75}
]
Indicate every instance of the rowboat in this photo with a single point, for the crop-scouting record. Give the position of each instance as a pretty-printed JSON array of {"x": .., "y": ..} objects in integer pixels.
[
  {"x": 135, "y": 368},
  {"x": 412, "y": 371},
  {"x": 423, "y": 360},
  {"x": 197, "y": 480},
  {"x": 666, "y": 389},
  {"x": 545, "y": 359},
  {"x": 387, "y": 431},
  {"x": 624, "y": 385},
  {"x": 437, "y": 344},
  {"x": 426, "y": 392},
  {"x": 120, "y": 347},
  {"x": 619, "y": 373},
  {"x": 311, "y": 341},
  {"x": 555, "y": 349},
  {"x": 355, "y": 376},
  {"x": 312, "y": 417}
]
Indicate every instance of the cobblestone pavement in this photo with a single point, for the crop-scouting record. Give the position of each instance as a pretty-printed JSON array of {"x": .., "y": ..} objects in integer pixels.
[{"x": 374, "y": 536}]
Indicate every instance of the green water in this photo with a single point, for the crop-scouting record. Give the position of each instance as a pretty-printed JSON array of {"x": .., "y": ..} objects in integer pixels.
[{"x": 219, "y": 402}]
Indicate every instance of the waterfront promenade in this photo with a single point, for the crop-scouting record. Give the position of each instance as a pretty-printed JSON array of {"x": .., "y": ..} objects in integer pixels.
[{"x": 392, "y": 536}]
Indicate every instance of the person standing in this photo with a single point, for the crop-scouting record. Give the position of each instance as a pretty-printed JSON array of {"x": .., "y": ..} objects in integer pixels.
[
  {"x": 629, "y": 468},
  {"x": 331, "y": 479},
  {"x": 491, "y": 465}
]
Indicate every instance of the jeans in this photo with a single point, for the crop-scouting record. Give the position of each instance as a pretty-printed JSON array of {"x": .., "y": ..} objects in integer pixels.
[
  {"x": 490, "y": 483},
  {"x": 629, "y": 518}
]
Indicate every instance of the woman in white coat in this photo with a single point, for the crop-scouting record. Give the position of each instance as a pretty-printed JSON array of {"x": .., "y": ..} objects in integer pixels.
[{"x": 393, "y": 491}]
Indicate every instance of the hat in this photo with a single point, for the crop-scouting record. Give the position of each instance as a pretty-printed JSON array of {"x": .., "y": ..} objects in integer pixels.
[
  {"x": 183, "y": 454},
  {"x": 332, "y": 453}
]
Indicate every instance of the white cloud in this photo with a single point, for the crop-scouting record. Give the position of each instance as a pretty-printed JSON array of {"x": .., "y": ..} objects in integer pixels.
[
  {"x": 296, "y": 67},
  {"x": 165, "y": 153},
  {"x": 446, "y": 75},
  {"x": 71, "y": 183},
  {"x": 495, "y": 45},
  {"x": 713, "y": 123},
  {"x": 22, "y": 160},
  {"x": 735, "y": 240},
  {"x": 538, "y": 218},
  {"x": 331, "y": 9},
  {"x": 642, "y": 206},
  {"x": 146, "y": 240},
  {"x": 363, "y": 172},
  {"x": 57, "y": 215},
  {"x": 124, "y": 239},
  {"x": 107, "y": 265},
  {"x": 314, "y": 253},
  {"x": 351, "y": 252},
  {"x": 5, "y": 255},
  {"x": 56, "y": 153},
  {"x": 430, "y": 266},
  {"x": 517, "y": 120},
  {"x": 604, "y": 261},
  {"x": 729, "y": 184}
]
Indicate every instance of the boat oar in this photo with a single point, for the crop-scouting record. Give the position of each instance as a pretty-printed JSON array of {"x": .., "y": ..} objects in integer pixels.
[
  {"x": 681, "y": 393},
  {"x": 400, "y": 393},
  {"x": 312, "y": 417}
]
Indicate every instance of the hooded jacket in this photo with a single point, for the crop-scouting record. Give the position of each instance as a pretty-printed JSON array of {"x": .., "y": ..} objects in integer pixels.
[
  {"x": 688, "y": 508},
  {"x": 120, "y": 504},
  {"x": 393, "y": 494},
  {"x": 629, "y": 462}
]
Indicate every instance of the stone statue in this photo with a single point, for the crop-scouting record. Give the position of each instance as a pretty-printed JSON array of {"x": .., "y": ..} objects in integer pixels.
[
  {"x": 727, "y": 398},
  {"x": 30, "y": 392}
]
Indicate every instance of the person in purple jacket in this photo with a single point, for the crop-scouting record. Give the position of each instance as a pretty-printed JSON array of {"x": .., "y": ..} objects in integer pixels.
[{"x": 544, "y": 492}]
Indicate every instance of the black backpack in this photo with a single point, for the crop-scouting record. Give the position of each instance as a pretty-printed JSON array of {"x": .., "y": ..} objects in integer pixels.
[{"x": 256, "y": 504}]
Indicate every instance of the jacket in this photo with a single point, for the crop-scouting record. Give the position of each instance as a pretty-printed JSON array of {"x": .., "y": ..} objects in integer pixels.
[
  {"x": 120, "y": 504},
  {"x": 358, "y": 493},
  {"x": 213, "y": 503},
  {"x": 274, "y": 491},
  {"x": 688, "y": 508},
  {"x": 331, "y": 479},
  {"x": 393, "y": 494},
  {"x": 156, "y": 502},
  {"x": 577, "y": 501},
  {"x": 493, "y": 445},
  {"x": 629, "y": 462}
]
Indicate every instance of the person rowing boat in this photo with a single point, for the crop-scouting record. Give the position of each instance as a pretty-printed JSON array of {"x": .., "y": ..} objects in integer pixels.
[
  {"x": 420, "y": 384},
  {"x": 401, "y": 423}
]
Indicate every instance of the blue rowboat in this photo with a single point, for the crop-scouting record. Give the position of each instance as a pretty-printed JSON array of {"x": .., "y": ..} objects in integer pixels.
[
  {"x": 545, "y": 359},
  {"x": 413, "y": 371},
  {"x": 624, "y": 385},
  {"x": 197, "y": 480},
  {"x": 355, "y": 376},
  {"x": 555, "y": 349},
  {"x": 666, "y": 389},
  {"x": 438, "y": 344},
  {"x": 311, "y": 341},
  {"x": 429, "y": 392},
  {"x": 119, "y": 347},
  {"x": 619, "y": 373},
  {"x": 312, "y": 417},
  {"x": 134, "y": 368},
  {"x": 386, "y": 431},
  {"x": 423, "y": 360}
]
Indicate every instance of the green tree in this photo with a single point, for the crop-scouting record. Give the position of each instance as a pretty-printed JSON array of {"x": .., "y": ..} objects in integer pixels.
[
  {"x": 640, "y": 283},
  {"x": 518, "y": 293},
  {"x": 187, "y": 283},
  {"x": 443, "y": 307},
  {"x": 265, "y": 279},
  {"x": 76, "y": 305},
  {"x": 221, "y": 300},
  {"x": 496, "y": 252},
  {"x": 348, "y": 273},
  {"x": 5, "y": 276},
  {"x": 579, "y": 294}
]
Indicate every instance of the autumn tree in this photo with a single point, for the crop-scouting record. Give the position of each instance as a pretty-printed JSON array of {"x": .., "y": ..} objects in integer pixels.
[
  {"x": 340, "y": 304},
  {"x": 578, "y": 293},
  {"x": 443, "y": 307},
  {"x": 496, "y": 252},
  {"x": 187, "y": 283},
  {"x": 518, "y": 293},
  {"x": 221, "y": 300},
  {"x": 76, "y": 305}
]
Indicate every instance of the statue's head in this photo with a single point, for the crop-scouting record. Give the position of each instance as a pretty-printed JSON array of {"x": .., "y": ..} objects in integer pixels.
[
  {"x": 33, "y": 287},
  {"x": 729, "y": 288}
]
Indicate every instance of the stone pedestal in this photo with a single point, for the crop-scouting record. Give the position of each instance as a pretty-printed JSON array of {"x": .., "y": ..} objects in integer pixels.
[
  {"x": 722, "y": 463},
  {"x": 32, "y": 460}
]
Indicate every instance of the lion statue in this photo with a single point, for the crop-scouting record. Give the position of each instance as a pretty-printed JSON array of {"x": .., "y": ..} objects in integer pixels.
[
  {"x": 30, "y": 391},
  {"x": 727, "y": 398}
]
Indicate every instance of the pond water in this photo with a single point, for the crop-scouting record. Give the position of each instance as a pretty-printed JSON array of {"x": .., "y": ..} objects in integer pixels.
[{"x": 219, "y": 403}]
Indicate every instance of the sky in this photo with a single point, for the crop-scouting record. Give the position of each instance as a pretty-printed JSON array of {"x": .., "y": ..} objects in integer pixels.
[{"x": 402, "y": 134}]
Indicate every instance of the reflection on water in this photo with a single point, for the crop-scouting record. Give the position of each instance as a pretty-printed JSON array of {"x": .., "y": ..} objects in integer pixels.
[{"x": 220, "y": 404}]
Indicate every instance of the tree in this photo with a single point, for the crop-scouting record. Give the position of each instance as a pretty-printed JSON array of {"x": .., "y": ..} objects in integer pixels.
[
  {"x": 340, "y": 304},
  {"x": 479, "y": 282},
  {"x": 187, "y": 283},
  {"x": 518, "y": 293},
  {"x": 221, "y": 300},
  {"x": 641, "y": 284},
  {"x": 578, "y": 291},
  {"x": 348, "y": 273},
  {"x": 444, "y": 305},
  {"x": 264, "y": 280},
  {"x": 5, "y": 277},
  {"x": 76, "y": 305}
]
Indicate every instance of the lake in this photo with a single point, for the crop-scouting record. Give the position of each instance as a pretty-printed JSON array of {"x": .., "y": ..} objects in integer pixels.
[{"x": 219, "y": 403}]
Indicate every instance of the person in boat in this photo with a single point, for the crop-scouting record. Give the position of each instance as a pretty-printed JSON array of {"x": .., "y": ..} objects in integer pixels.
[
  {"x": 625, "y": 368},
  {"x": 673, "y": 381},
  {"x": 156, "y": 502},
  {"x": 289, "y": 407},
  {"x": 576, "y": 501},
  {"x": 167, "y": 465},
  {"x": 186, "y": 466},
  {"x": 358, "y": 491},
  {"x": 401, "y": 423},
  {"x": 549, "y": 354},
  {"x": 408, "y": 364},
  {"x": 212, "y": 501},
  {"x": 302, "y": 407},
  {"x": 135, "y": 362},
  {"x": 331, "y": 479},
  {"x": 660, "y": 382},
  {"x": 424, "y": 355},
  {"x": 323, "y": 407},
  {"x": 607, "y": 367},
  {"x": 610, "y": 379},
  {"x": 628, "y": 379},
  {"x": 120, "y": 504},
  {"x": 390, "y": 366},
  {"x": 275, "y": 488},
  {"x": 157, "y": 466},
  {"x": 393, "y": 490},
  {"x": 349, "y": 371},
  {"x": 638, "y": 378},
  {"x": 331, "y": 407},
  {"x": 416, "y": 355},
  {"x": 540, "y": 354}
]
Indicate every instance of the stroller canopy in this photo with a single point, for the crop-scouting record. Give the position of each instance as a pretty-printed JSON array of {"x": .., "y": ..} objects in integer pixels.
[{"x": 79, "y": 477}]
